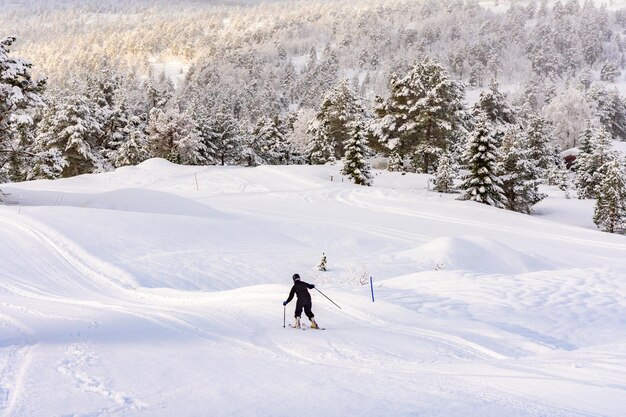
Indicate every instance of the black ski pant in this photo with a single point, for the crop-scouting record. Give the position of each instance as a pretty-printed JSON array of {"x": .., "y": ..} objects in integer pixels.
[{"x": 306, "y": 305}]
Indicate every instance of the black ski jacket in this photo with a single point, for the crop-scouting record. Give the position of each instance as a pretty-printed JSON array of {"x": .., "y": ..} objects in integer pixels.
[{"x": 301, "y": 289}]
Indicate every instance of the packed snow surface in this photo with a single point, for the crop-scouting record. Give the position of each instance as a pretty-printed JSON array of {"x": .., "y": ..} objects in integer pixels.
[{"x": 157, "y": 290}]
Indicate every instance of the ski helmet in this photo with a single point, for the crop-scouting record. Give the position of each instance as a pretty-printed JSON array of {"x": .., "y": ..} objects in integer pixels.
[{"x": 296, "y": 277}]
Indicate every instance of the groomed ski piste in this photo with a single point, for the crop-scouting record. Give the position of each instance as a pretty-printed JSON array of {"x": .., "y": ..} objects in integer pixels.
[{"x": 141, "y": 292}]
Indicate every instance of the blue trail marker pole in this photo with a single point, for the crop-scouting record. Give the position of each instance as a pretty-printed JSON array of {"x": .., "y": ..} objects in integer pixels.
[{"x": 372, "y": 287}]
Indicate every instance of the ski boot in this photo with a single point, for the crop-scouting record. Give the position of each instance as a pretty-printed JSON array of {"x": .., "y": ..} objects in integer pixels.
[
  {"x": 297, "y": 323},
  {"x": 314, "y": 324}
]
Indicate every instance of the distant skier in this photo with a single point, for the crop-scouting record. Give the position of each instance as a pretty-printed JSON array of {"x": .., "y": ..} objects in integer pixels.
[{"x": 301, "y": 290}]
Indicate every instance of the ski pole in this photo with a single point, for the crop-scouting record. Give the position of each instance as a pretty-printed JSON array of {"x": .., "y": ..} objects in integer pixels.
[
  {"x": 328, "y": 298},
  {"x": 284, "y": 315}
]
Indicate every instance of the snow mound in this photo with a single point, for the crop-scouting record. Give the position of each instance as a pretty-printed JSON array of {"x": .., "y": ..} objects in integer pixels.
[
  {"x": 125, "y": 199},
  {"x": 149, "y": 201},
  {"x": 475, "y": 254}
]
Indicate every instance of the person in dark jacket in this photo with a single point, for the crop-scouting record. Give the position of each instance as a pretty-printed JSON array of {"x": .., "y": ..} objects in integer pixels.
[{"x": 301, "y": 290}]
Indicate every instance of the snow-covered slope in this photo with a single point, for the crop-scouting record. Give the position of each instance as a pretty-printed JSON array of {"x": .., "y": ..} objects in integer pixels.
[{"x": 156, "y": 290}]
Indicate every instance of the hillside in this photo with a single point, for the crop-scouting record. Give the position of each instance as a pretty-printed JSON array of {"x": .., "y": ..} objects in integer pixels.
[{"x": 156, "y": 290}]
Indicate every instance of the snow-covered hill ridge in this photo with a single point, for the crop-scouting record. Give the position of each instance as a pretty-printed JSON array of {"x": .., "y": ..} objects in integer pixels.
[{"x": 156, "y": 290}]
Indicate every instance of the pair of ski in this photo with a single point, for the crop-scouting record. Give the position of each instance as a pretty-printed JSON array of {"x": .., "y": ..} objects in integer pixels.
[{"x": 305, "y": 328}]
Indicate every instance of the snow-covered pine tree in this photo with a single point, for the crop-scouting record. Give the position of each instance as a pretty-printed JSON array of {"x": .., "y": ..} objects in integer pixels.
[
  {"x": 159, "y": 90},
  {"x": 538, "y": 139},
  {"x": 518, "y": 173},
  {"x": 134, "y": 150},
  {"x": 270, "y": 141},
  {"x": 493, "y": 103},
  {"x": 19, "y": 95},
  {"x": 482, "y": 184},
  {"x": 47, "y": 164},
  {"x": 355, "y": 164},
  {"x": 109, "y": 108},
  {"x": 445, "y": 175},
  {"x": 609, "y": 71},
  {"x": 225, "y": 134},
  {"x": 320, "y": 148},
  {"x": 610, "y": 210},
  {"x": 71, "y": 127},
  {"x": 18, "y": 155},
  {"x": 395, "y": 163},
  {"x": 610, "y": 110},
  {"x": 425, "y": 108},
  {"x": 162, "y": 131},
  {"x": 586, "y": 138},
  {"x": 172, "y": 136},
  {"x": 332, "y": 125},
  {"x": 589, "y": 166}
]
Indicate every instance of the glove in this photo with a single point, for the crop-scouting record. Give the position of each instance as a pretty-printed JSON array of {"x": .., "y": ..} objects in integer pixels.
[
  {"x": 312, "y": 286},
  {"x": 284, "y": 303}
]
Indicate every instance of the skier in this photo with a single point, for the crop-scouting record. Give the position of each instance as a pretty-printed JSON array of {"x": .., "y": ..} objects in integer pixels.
[{"x": 301, "y": 290}]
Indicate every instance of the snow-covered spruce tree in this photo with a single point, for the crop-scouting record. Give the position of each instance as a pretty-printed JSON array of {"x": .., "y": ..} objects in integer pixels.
[
  {"x": 332, "y": 125},
  {"x": 270, "y": 141},
  {"x": 425, "y": 108},
  {"x": 538, "y": 139},
  {"x": 159, "y": 90},
  {"x": 225, "y": 134},
  {"x": 395, "y": 163},
  {"x": 609, "y": 71},
  {"x": 355, "y": 164},
  {"x": 134, "y": 149},
  {"x": 445, "y": 175},
  {"x": 482, "y": 184},
  {"x": 610, "y": 210},
  {"x": 162, "y": 131},
  {"x": 320, "y": 148},
  {"x": 590, "y": 165},
  {"x": 494, "y": 105},
  {"x": 19, "y": 95},
  {"x": 71, "y": 127},
  {"x": 610, "y": 109},
  {"x": 586, "y": 138},
  {"x": 172, "y": 136},
  {"x": 110, "y": 109},
  {"x": 518, "y": 173},
  {"x": 202, "y": 123},
  {"x": 18, "y": 158}
]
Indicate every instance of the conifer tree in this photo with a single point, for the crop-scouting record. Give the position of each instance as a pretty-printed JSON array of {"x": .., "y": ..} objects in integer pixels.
[
  {"x": 493, "y": 103},
  {"x": 47, "y": 164},
  {"x": 225, "y": 134},
  {"x": 270, "y": 141},
  {"x": 590, "y": 165},
  {"x": 72, "y": 128},
  {"x": 482, "y": 184},
  {"x": 395, "y": 163},
  {"x": 355, "y": 165},
  {"x": 425, "y": 108},
  {"x": 333, "y": 124},
  {"x": 610, "y": 210},
  {"x": 19, "y": 95},
  {"x": 518, "y": 173},
  {"x": 445, "y": 175},
  {"x": 134, "y": 150},
  {"x": 538, "y": 139}
]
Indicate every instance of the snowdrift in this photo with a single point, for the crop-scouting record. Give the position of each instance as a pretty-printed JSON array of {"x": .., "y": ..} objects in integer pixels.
[
  {"x": 475, "y": 254},
  {"x": 126, "y": 199}
]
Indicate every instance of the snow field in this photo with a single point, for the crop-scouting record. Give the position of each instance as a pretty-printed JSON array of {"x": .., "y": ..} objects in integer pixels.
[{"x": 137, "y": 293}]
